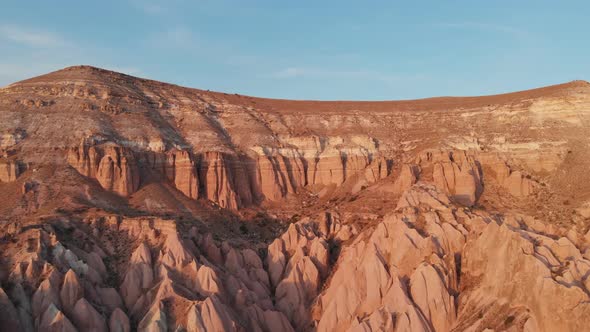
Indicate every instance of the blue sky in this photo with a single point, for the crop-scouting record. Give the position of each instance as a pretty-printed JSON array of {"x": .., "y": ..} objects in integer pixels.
[{"x": 362, "y": 50}]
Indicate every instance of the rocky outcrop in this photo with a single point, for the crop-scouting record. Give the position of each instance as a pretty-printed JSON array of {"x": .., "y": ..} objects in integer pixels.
[
  {"x": 114, "y": 167},
  {"x": 431, "y": 295},
  {"x": 298, "y": 263},
  {"x": 525, "y": 270},
  {"x": 368, "y": 283},
  {"x": 179, "y": 168},
  {"x": 54, "y": 320},
  {"x": 333, "y": 167},
  {"x": 71, "y": 291},
  {"x": 273, "y": 178},
  {"x": 278, "y": 172},
  {"x": 328, "y": 170},
  {"x": 351, "y": 247},
  {"x": 519, "y": 185},
  {"x": 230, "y": 180},
  {"x": 86, "y": 318},
  {"x": 8, "y": 315},
  {"x": 119, "y": 322},
  {"x": 218, "y": 180},
  {"x": 456, "y": 173},
  {"x": 515, "y": 182},
  {"x": 407, "y": 177},
  {"x": 210, "y": 315},
  {"x": 414, "y": 256},
  {"x": 139, "y": 276},
  {"x": 9, "y": 170},
  {"x": 379, "y": 168},
  {"x": 426, "y": 266}
]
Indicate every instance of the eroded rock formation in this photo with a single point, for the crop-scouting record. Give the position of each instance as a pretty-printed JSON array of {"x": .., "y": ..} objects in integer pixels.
[
  {"x": 112, "y": 166},
  {"x": 9, "y": 170},
  {"x": 424, "y": 215}
]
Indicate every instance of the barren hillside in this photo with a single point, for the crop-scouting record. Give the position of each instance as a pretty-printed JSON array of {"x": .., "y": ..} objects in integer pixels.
[{"x": 130, "y": 204}]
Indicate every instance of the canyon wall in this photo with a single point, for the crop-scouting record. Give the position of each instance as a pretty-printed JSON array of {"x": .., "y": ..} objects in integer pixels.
[{"x": 229, "y": 180}]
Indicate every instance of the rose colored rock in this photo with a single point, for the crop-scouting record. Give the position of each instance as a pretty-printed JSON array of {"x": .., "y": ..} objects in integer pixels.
[
  {"x": 86, "y": 318},
  {"x": 182, "y": 171},
  {"x": 110, "y": 298},
  {"x": 318, "y": 252},
  {"x": 407, "y": 177},
  {"x": 218, "y": 180},
  {"x": 54, "y": 320},
  {"x": 139, "y": 276},
  {"x": 215, "y": 316},
  {"x": 174, "y": 254},
  {"x": 118, "y": 172},
  {"x": 23, "y": 307},
  {"x": 47, "y": 294},
  {"x": 119, "y": 322},
  {"x": 432, "y": 297},
  {"x": 365, "y": 291},
  {"x": 212, "y": 251},
  {"x": 154, "y": 320},
  {"x": 515, "y": 182},
  {"x": 329, "y": 169},
  {"x": 276, "y": 261},
  {"x": 113, "y": 166},
  {"x": 518, "y": 185},
  {"x": 458, "y": 174},
  {"x": 272, "y": 177},
  {"x": 208, "y": 282},
  {"x": 9, "y": 170},
  {"x": 71, "y": 291},
  {"x": 9, "y": 318},
  {"x": 505, "y": 264},
  {"x": 377, "y": 170},
  {"x": 297, "y": 289},
  {"x": 276, "y": 321},
  {"x": 141, "y": 255},
  {"x": 424, "y": 195},
  {"x": 95, "y": 261}
]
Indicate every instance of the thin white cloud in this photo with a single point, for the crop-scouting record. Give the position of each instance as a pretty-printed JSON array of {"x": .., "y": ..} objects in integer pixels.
[
  {"x": 30, "y": 37},
  {"x": 360, "y": 76},
  {"x": 176, "y": 38},
  {"x": 506, "y": 29},
  {"x": 180, "y": 36},
  {"x": 314, "y": 72},
  {"x": 38, "y": 52},
  {"x": 289, "y": 72},
  {"x": 151, "y": 7}
]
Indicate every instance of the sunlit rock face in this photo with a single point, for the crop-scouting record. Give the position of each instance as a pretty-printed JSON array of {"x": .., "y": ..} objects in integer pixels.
[{"x": 129, "y": 204}]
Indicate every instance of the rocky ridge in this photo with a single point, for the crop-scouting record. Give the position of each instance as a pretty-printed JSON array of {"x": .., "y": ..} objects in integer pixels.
[{"x": 165, "y": 208}]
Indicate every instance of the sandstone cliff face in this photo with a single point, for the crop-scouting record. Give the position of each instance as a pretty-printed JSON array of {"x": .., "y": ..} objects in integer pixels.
[
  {"x": 408, "y": 176},
  {"x": 9, "y": 170},
  {"x": 523, "y": 269},
  {"x": 230, "y": 181},
  {"x": 178, "y": 166},
  {"x": 514, "y": 182},
  {"x": 371, "y": 272},
  {"x": 218, "y": 179},
  {"x": 112, "y": 166},
  {"x": 279, "y": 173},
  {"x": 456, "y": 173},
  {"x": 368, "y": 283},
  {"x": 346, "y": 216}
]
